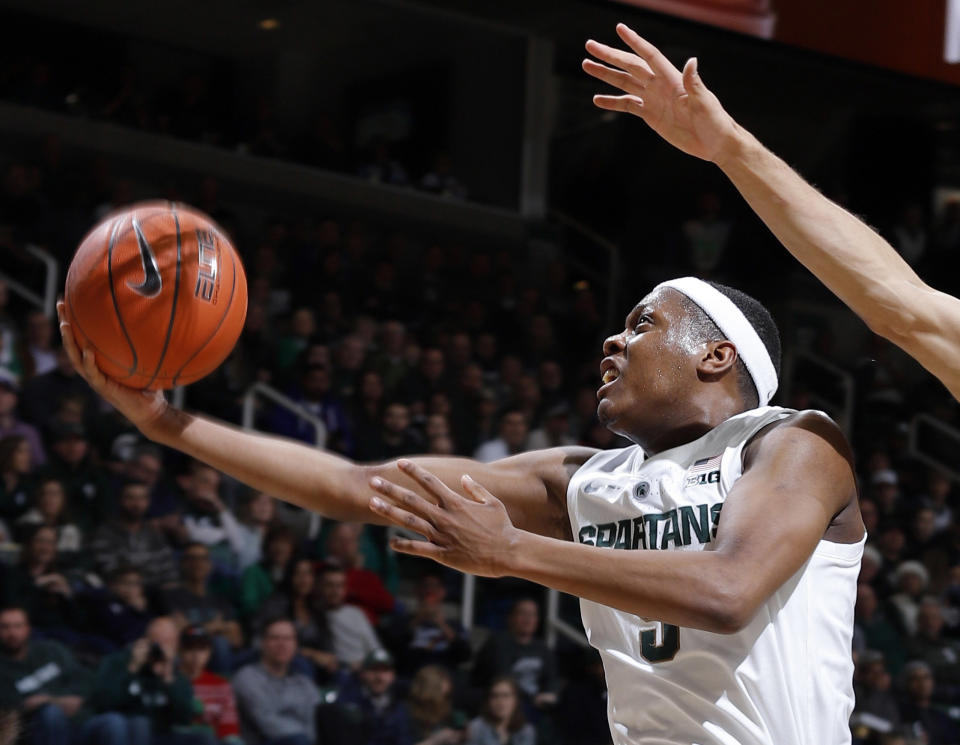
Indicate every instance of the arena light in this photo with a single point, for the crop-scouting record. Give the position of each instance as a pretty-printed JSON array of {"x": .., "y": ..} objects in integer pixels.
[{"x": 951, "y": 32}]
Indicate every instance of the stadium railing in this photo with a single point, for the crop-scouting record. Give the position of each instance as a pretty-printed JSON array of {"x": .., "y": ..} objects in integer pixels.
[
  {"x": 830, "y": 388},
  {"x": 46, "y": 299},
  {"x": 935, "y": 443},
  {"x": 262, "y": 390}
]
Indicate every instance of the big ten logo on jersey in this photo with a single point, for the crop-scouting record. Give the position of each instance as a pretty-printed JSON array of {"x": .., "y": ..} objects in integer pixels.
[
  {"x": 208, "y": 255},
  {"x": 704, "y": 471}
]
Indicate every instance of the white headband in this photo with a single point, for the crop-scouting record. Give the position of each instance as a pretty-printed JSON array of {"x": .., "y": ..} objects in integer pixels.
[{"x": 736, "y": 328}]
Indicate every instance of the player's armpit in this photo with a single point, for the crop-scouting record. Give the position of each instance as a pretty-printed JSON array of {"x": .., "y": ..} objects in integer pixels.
[
  {"x": 532, "y": 486},
  {"x": 798, "y": 487}
]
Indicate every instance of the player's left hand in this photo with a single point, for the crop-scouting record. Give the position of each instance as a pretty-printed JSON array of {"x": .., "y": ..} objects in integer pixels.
[{"x": 470, "y": 533}]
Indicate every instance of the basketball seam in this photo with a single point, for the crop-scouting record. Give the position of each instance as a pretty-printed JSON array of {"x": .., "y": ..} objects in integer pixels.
[
  {"x": 116, "y": 305},
  {"x": 176, "y": 294},
  {"x": 223, "y": 318}
]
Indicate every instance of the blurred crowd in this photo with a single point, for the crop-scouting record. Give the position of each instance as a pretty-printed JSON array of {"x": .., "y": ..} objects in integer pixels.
[
  {"x": 147, "y": 598},
  {"x": 198, "y": 105}
]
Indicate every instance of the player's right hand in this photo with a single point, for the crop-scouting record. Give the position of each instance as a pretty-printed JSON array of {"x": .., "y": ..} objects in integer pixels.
[
  {"x": 143, "y": 408},
  {"x": 676, "y": 105}
]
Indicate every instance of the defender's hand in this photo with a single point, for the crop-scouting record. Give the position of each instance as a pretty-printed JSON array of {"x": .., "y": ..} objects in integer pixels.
[
  {"x": 143, "y": 408},
  {"x": 472, "y": 534},
  {"x": 676, "y": 105}
]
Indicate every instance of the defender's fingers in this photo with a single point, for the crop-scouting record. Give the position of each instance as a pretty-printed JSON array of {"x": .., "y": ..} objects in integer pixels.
[
  {"x": 619, "y": 58},
  {"x": 401, "y": 518},
  {"x": 626, "y": 104},
  {"x": 617, "y": 78},
  {"x": 654, "y": 58}
]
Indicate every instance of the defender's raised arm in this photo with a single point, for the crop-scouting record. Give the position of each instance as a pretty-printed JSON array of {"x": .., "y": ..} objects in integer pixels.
[{"x": 850, "y": 258}]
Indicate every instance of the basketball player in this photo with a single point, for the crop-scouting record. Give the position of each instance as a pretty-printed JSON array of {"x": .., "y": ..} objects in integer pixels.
[
  {"x": 859, "y": 266},
  {"x": 716, "y": 559}
]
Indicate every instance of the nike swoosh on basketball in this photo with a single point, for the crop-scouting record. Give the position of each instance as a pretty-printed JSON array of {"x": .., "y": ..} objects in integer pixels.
[{"x": 152, "y": 281}]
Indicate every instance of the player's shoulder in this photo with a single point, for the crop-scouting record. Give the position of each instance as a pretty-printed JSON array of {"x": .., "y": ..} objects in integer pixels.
[{"x": 806, "y": 430}]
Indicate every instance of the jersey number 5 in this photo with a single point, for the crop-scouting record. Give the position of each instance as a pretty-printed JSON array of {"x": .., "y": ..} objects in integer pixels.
[{"x": 664, "y": 649}]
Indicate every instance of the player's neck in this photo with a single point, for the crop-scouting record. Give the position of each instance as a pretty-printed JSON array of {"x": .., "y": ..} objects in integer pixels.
[{"x": 689, "y": 422}]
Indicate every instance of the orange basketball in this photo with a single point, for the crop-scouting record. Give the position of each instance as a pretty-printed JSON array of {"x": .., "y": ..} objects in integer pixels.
[{"x": 159, "y": 293}]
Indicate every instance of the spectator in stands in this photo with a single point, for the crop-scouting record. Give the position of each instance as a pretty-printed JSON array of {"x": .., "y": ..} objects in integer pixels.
[
  {"x": 120, "y": 612},
  {"x": 366, "y": 412},
  {"x": 440, "y": 180},
  {"x": 314, "y": 394},
  {"x": 885, "y": 491},
  {"x": 258, "y": 513},
  {"x": 555, "y": 429},
  {"x": 192, "y": 602},
  {"x": 940, "y": 653},
  {"x": 277, "y": 706},
  {"x": 891, "y": 544},
  {"x": 50, "y": 508},
  {"x": 395, "y": 436},
  {"x": 260, "y": 580},
  {"x": 142, "y": 685},
  {"x": 582, "y": 711},
  {"x": 910, "y": 579},
  {"x": 353, "y": 636},
  {"x": 877, "y": 632},
  {"x": 501, "y": 721},
  {"x": 427, "y": 636},
  {"x": 303, "y": 326},
  {"x": 40, "y": 396},
  {"x": 364, "y": 588},
  {"x": 512, "y": 439},
  {"x": 518, "y": 653},
  {"x": 873, "y": 695},
  {"x": 72, "y": 463},
  {"x": 41, "y": 679},
  {"x": 9, "y": 423},
  {"x": 216, "y": 706},
  {"x": 350, "y": 354},
  {"x": 368, "y": 710},
  {"x": 129, "y": 540},
  {"x": 429, "y": 378},
  {"x": 379, "y": 166},
  {"x": 38, "y": 356},
  {"x": 922, "y": 542},
  {"x": 146, "y": 467},
  {"x": 40, "y": 586},
  {"x": 207, "y": 519},
  {"x": 15, "y": 477},
  {"x": 430, "y": 701},
  {"x": 938, "y": 498},
  {"x": 917, "y": 710},
  {"x": 299, "y": 600}
]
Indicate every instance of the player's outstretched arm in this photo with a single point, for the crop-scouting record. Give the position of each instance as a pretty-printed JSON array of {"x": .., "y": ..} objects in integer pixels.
[
  {"x": 858, "y": 265},
  {"x": 798, "y": 479},
  {"x": 533, "y": 484}
]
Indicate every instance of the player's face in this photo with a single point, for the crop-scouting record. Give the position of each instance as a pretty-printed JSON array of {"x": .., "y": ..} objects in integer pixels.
[{"x": 647, "y": 367}]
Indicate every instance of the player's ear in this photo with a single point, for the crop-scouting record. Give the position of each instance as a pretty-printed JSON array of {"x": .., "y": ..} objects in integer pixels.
[{"x": 718, "y": 357}]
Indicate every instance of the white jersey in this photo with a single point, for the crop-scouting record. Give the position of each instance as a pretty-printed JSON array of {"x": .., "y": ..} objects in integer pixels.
[{"x": 785, "y": 679}]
